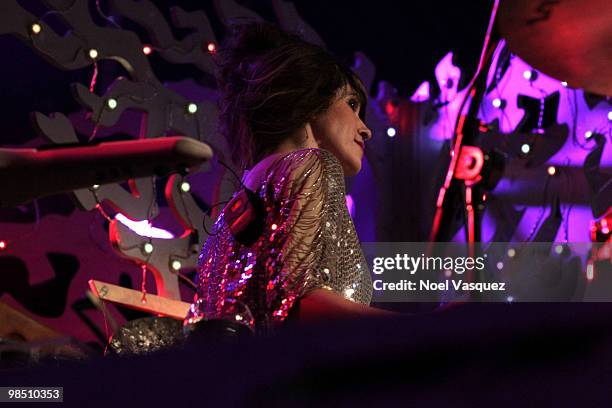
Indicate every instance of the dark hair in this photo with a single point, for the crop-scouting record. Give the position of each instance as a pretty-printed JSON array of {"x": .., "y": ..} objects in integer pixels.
[{"x": 272, "y": 83}]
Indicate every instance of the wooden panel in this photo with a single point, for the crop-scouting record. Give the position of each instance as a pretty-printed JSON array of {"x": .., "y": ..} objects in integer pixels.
[
  {"x": 133, "y": 299},
  {"x": 17, "y": 326}
]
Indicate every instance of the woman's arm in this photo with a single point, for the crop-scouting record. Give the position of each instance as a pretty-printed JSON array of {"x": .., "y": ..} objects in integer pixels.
[{"x": 323, "y": 304}]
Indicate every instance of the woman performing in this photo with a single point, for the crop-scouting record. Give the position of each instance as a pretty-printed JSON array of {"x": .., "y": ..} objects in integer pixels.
[{"x": 285, "y": 246}]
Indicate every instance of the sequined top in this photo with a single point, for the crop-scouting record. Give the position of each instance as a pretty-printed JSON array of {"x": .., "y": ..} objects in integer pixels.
[{"x": 309, "y": 241}]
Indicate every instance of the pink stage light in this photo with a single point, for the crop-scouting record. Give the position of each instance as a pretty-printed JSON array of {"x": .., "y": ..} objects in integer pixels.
[{"x": 350, "y": 204}]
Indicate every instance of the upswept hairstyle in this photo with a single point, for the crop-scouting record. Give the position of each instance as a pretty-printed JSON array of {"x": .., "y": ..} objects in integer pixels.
[{"x": 272, "y": 83}]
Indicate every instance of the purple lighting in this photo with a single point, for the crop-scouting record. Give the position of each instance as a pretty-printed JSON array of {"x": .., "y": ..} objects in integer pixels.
[
  {"x": 422, "y": 93},
  {"x": 350, "y": 204},
  {"x": 450, "y": 98},
  {"x": 447, "y": 76}
]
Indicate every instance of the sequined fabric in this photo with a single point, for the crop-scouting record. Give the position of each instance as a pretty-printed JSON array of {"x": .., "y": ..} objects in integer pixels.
[
  {"x": 309, "y": 242},
  {"x": 145, "y": 335}
]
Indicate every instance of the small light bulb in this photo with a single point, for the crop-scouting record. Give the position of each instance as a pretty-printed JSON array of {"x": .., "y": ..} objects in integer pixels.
[
  {"x": 500, "y": 265},
  {"x": 511, "y": 252},
  {"x": 610, "y": 115},
  {"x": 36, "y": 28},
  {"x": 530, "y": 75},
  {"x": 391, "y": 132},
  {"x": 525, "y": 148},
  {"x": 93, "y": 53},
  {"x": 111, "y": 103},
  {"x": 95, "y": 187},
  {"x": 192, "y": 108},
  {"x": 148, "y": 248},
  {"x": 590, "y": 271},
  {"x": 559, "y": 249},
  {"x": 552, "y": 170},
  {"x": 273, "y": 227},
  {"x": 176, "y": 265},
  {"x": 211, "y": 47},
  {"x": 3, "y": 244},
  {"x": 510, "y": 299},
  {"x": 147, "y": 50},
  {"x": 497, "y": 103},
  {"x": 185, "y": 187},
  {"x": 588, "y": 134},
  {"x": 564, "y": 84}
]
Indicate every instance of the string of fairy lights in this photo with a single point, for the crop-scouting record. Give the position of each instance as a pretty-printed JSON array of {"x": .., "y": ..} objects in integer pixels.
[
  {"x": 497, "y": 99},
  {"x": 147, "y": 247},
  {"x": 113, "y": 103},
  {"x": 176, "y": 261},
  {"x": 531, "y": 76}
]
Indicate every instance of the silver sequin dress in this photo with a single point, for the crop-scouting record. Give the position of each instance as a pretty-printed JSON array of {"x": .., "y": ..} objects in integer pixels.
[{"x": 309, "y": 242}]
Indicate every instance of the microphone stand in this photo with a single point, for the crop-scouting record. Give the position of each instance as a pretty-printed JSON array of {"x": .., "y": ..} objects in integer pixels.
[{"x": 466, "y": 161}]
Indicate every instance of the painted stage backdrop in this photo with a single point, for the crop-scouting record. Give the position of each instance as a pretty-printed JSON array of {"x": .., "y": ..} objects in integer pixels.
[{"x": 145, "y": 234}]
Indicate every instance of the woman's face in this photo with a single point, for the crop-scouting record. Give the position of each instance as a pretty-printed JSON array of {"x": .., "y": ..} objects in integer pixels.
[{"x": 342, "y": 132}]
